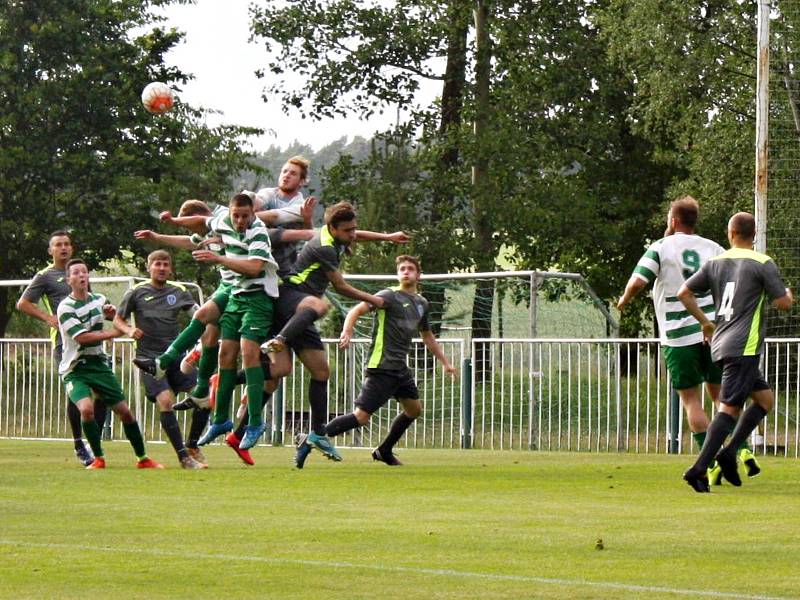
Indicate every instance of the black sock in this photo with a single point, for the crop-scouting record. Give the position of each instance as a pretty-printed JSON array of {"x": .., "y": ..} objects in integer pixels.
[
  {"x": 265, "y": 367},
  {"x": 74, "y": 417},
  {"x": 241, "y": 379},
  {"x": 720, "y": 427},
  {"x": 100, "y": 412},
  {"x": 748, "y": 421},
  {"x": 318, "y": 399},
  {"x": 302, "y": 319},
  {"x": 341, "y": 424},
  {"x": 199, "y": 422},
  {"x": 169, "y": 423},
  {"x": 399, "y": 425}
]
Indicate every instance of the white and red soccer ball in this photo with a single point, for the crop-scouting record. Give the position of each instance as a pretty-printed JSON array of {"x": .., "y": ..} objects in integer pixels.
[{"x": 158, "y": 97}]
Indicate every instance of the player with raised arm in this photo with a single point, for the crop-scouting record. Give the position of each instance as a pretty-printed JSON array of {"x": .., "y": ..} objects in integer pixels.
[
  {"x": 84, "y": 366},
  {"x": 155, "y": 306},
  {"x": 740, "y": 280},
  {"x": 50, "y": 286},
  {"x": 403, "y": 315}
]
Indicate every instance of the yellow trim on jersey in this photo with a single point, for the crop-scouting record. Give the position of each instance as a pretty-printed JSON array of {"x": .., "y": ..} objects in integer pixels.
[
  {"x": 325, "y": 239},
  {"x": 377, "y": 352},
  {"x": 742, "y": 253},
  {"x": 755, "y": 329}
]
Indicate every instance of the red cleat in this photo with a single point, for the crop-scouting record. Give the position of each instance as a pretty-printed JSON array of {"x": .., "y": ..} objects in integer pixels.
[
  {"x": 98, "y": 463},
  {"x": 234, "y": 442},
  {"x": 148, "y": 463}
]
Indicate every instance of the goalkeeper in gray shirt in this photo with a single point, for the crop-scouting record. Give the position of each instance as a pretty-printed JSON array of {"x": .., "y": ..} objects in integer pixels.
[
  {"x": 740, "y": 280},
  {"x": 403, "y": 315}
]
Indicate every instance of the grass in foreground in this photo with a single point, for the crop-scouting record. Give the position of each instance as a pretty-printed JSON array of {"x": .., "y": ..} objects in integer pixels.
[{"x": 448, "y": 524}]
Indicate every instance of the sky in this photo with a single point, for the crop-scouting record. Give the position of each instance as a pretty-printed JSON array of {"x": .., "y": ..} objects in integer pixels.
[{"x": 216, "y": 51}]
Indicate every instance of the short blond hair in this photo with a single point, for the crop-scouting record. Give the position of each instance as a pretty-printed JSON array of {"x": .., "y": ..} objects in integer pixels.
[
  {"x": 191, "y": 208},
  {"x": 300, "y": 161},
  {"x": 158, "y": 255}
]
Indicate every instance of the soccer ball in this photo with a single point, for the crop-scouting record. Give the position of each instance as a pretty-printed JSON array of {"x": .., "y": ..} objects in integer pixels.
[{"x": 157, "y": 97}]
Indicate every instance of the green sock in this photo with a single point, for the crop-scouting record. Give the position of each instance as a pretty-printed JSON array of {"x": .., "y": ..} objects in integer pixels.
[
  {"x": 185, "y": 340},
  {"x": 227, "y": 381},
  {"x": 134, "y": 435},
  {"x": 745, "y": 445},
  {"x": 255, "y": 384},
  {"x": 205, "y": 369},
  {"x": 92, "y": 431},
  {"x": 699, "y": 438}
]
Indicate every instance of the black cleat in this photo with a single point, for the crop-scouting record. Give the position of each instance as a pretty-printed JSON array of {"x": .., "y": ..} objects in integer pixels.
[
  {"x": 191, "y": 402},
  {"x": 84, "y": 455},
  {"x": 727, "y": 462},
  {"x": 150, "y": 366},
  {"x": 698, "y": 481},
  {"x": 386, "y": 457}
]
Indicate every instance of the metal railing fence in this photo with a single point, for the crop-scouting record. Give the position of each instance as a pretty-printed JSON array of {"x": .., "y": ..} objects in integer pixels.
[{"x": 598, "y": 395}]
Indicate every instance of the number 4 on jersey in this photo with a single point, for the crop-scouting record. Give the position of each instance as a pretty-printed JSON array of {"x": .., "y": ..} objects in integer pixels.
[{"x": 726, "y": 306}]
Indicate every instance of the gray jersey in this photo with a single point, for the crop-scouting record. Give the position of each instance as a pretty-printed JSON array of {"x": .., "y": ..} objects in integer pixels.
[
  {"x": 739, "y": 280},
  {"x": 49, "y": 285},
  {"x": 274, "y": 199},
  {"x": 155, "y": 311},
  {"x": 320, "y": 256},
  {"x": 284, "y": 253},
  {"x": 395, "y": 325}
]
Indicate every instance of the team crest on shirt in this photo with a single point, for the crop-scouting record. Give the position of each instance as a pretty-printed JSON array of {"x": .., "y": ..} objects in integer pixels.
[
  {"x": 420, "y": 310},
  {"x": 171, "y": 299}
]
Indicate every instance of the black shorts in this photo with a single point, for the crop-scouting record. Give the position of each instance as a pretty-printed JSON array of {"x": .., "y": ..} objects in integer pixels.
[
  {"x": 380, "y": 385},
  {"x": 283, "y": 310},
  {"x": 740, "y": 378},
  {"x": 175, "y": 380}
]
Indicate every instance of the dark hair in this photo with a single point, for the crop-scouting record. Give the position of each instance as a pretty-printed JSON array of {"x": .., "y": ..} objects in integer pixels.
[
  {"x": 743, "y": 224},
  {"x": 685, "y": 209},
  {"x": 408, "y": 258},
  {"x": 191, "y": 208},
  {"x": 339, "y": 213},
  {"x": 241, "y": 200},
  {"x": 75, "y": 261},
  {"x": 60, "y": 233}
]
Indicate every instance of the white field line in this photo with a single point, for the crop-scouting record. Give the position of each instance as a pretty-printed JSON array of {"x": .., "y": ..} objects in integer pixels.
[{"x": 325, "y": 564}]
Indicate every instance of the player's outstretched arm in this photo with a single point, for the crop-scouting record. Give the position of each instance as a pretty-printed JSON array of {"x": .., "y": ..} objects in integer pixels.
[
  {"x": 183, "y": 242},
  {"x": 398, "y": 237},
  {"x": 297, "y": 235},
  {"x": 359, "y": 310},
  {"x": 436, "y": 349},
  {"x": 193, "y": 222},
  {"x": 345, "y": 289},
  {"x": 249, "y": 267},
  {"x": 634, "y": 286}
]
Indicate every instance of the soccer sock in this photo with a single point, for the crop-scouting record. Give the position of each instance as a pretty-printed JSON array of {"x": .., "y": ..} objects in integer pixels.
[
  {"x": 92, "y": 432},
  {"x": 205, "y": 369},
  {"x": 318, "y": 399},
  {"x": 721, "y": 426},
  {"x": 169, "y": 422},
  {"x": 241, "y": 377},
  {"x": 399, "y": 425},
  {"x": 100, "y": 412},
  {"x": 341, "y": 424},
  {"x": 74, "y": 417},
  {"x": 134, "y": 435},
  {"x": 255, "y": 386},
  {"x": 748, "y": 421},
  {"x": 185, "y": 340},
  {"x": 699, "y": 438},
  {"x": 227, "y": 381},
  {"x": 199, "y": 422},
  {"x": 745, "y": 445},
  {"x": 265, "y": 396},
  {"x": 300, "y": 321}
]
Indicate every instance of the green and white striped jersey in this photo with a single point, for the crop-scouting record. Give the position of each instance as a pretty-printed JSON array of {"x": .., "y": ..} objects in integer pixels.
[
  {"x": 669, "y": 262},
  {"x": 254, "y": 244},
  {"x": 74, "y": 318},
  {"x": 226, "y": 275}
]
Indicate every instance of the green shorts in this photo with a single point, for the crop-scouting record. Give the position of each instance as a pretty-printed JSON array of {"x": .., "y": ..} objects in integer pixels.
[
  {"x": 247, "y": 316},
  {"x": 690, "y": 366},
  {"x": 221, "y": 295},
  {"x": 93, "y": 374}
]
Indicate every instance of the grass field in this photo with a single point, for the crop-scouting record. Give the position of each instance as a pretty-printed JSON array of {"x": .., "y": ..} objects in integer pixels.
[{"x": 448, "y": 524}]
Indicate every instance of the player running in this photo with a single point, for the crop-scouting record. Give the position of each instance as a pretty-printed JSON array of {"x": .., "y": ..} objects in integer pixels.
[
  {"x": 85, "y": 367},
  {"x": 404, "y": 313}
]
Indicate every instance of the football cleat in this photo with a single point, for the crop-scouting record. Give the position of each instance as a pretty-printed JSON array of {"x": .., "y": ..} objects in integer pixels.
[
  {"x": 727, "y": 461},
  {"x": 273, "y": 346},
  {"x": 84, "y": 455},
  {"x": 698, "y": 481},
  {"x": 148, "y": 463},
  {"x": 214, "y": 431},
  {"x": 714, "y": 475},
  {"x": 750, "y": 464},
  {"x": 324, "y": 445},
  {"x": 188, "y": 462},
  {"x": 386, "y": 457},
  {"x": 233, "y": 442},
  {"x": 189, "y": 362},
  {"x": 251, "y": 435},
  {"x": 198, "y": 455},
  {"x": 302, "y": 449},
  {"x": 191, "y": 402},
  {"x": 150, "y": 366},
  {"x": 98, "y": 463}
]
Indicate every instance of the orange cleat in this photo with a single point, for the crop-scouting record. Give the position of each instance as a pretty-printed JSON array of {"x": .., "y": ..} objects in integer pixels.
[
  {"x": 234, "y": 442},
  {"x": 148, "y": 463},
  {"x": 98, "y": 463}
]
